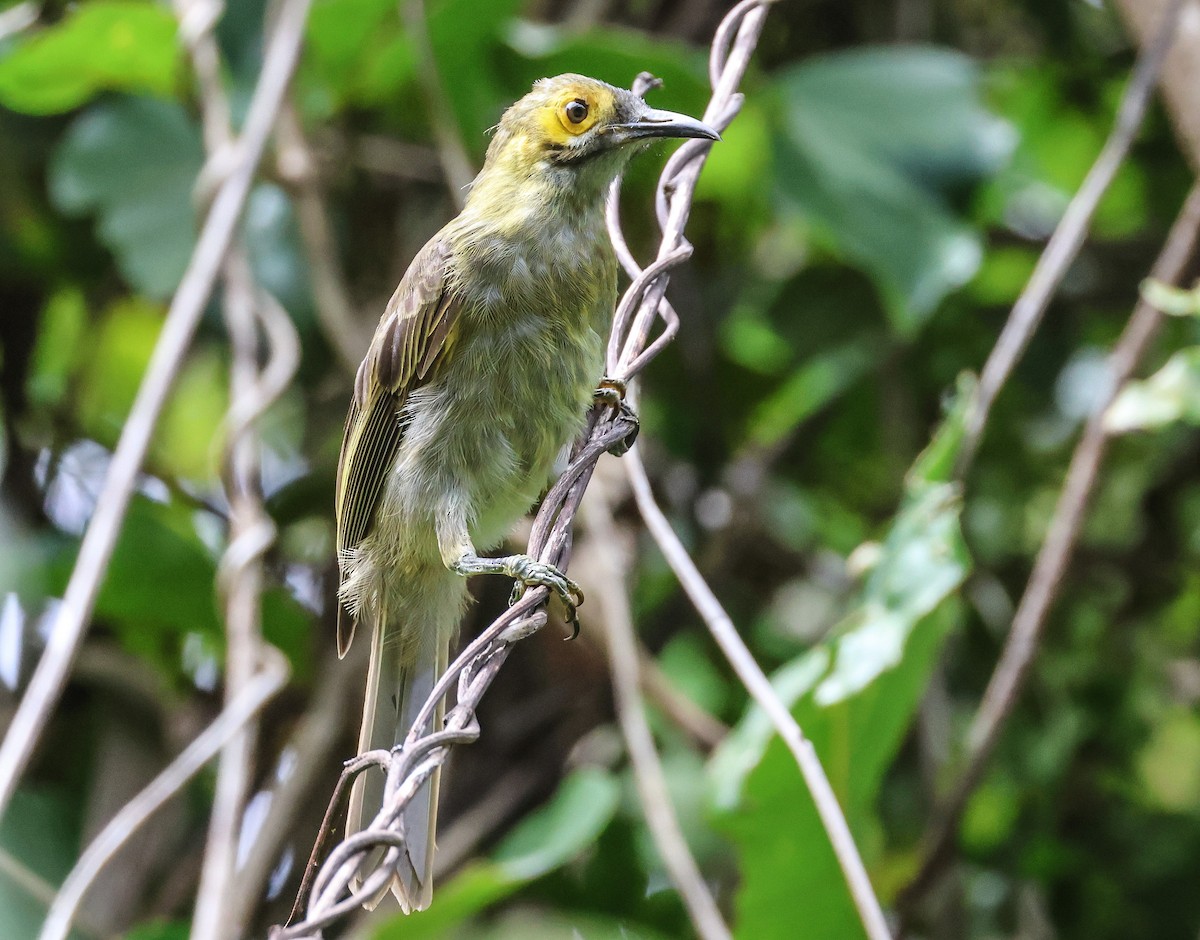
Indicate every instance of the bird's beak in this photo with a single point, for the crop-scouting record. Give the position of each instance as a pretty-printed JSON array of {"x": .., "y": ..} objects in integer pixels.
[{"x": 653, "y": 123}]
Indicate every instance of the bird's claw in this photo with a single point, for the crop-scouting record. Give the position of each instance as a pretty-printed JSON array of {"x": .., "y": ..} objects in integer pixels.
[
  {"x": 610, "y": 391},
  {"x": 529, "y": 573},
  {"x": 622, "y": 447}
]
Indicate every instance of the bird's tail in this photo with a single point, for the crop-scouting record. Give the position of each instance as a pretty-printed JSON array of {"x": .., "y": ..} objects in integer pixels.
[{"x": 405, "y": 665}]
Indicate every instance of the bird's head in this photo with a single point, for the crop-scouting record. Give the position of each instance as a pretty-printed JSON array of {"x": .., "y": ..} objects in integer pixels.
[{"x": 576, "y": 133}]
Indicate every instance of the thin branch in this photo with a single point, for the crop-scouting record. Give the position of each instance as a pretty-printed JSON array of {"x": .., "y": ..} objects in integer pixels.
[
  {"x": 701, "y": 726},
  {"x": 18, "y": 18},
  {"x": 328, "y": 896},
  {"x": 1055, "y": 554},
  {"x": 651, "y": 782},
  {"x": 271, "y": 677},
  {"x": 251, "y": 532},
  {"x": 240, "y": 579},
  {"x": 49, "y": 678},
  {"x": 722, "y": 628},
  {"x": 1068, "y": 237}
]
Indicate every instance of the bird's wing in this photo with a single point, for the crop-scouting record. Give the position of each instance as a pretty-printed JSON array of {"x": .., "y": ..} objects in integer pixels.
[{"x": 414, "y": 334}]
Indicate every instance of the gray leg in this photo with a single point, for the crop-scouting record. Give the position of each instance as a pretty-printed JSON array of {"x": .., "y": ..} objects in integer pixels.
[{"x": 525, "y": 571}]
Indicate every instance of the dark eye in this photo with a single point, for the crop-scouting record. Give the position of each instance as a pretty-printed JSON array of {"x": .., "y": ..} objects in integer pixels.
[{"x": 576, "y": 111}]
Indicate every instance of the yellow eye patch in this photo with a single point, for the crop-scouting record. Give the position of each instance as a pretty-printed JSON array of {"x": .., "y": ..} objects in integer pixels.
[
  {"x": 570, "y": 106},
  {"x": 576, "y": 114}
]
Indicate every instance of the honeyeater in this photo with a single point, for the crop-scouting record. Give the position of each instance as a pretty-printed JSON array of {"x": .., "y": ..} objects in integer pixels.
[{"x": 480, "y": 373}]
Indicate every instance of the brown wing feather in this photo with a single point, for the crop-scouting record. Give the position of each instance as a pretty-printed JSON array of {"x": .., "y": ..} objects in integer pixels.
[{"x": 413, "y": 335}]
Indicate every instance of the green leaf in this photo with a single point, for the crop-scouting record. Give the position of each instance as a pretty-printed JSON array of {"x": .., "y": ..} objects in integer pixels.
[
  {"x": 558, "y": 832},
  {"x": 549, "y": 838},
  {"x": 1171, "y": 394},
  {"x": 132, "y": 162},
  {"x": 272, "y": 239},
  {"x": 533, "y": 924},
  {"x": 98, "y": 46},
  {"x": 190, "y": 434},
  {"x": 812, "y": 386},
  {"x": 854, "y": 697},
  {"x": 869, "y": 143},
  {"x": 935, "y": 464},
  {"x": 749, "y": 339}
]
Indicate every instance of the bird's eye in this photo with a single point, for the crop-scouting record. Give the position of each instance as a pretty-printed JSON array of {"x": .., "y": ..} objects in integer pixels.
[{"x": 576, "y": 111}]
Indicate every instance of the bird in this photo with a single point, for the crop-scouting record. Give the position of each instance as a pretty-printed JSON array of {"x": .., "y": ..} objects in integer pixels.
[{"x": 479, "y": 375}]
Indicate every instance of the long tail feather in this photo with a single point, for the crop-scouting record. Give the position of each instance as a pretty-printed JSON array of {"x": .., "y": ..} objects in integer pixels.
[{"x": 399, "y": 682}]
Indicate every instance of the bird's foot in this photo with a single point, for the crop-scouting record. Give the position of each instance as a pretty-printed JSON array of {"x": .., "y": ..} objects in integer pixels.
[
  {"x": 528, "y": 573},
  {"x": 611, "y": 393},
  {"x": 629, "y": 416}
]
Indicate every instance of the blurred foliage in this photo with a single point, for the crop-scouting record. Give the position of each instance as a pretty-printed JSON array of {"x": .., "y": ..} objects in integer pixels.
[{"x": 860, "y": 234}]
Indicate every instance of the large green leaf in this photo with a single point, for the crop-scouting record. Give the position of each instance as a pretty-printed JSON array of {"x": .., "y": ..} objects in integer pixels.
[
  {"x": 549, "y": 838},
  {"x": 854, "y": 697},
  {"x": 98, "y": 46},
  {"x": 133, "y": 162},
  {"x": 868, "y": 144}
]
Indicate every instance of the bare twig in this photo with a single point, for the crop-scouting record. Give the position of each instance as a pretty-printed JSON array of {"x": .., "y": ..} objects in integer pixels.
[
  {"x": 1055, "y": 553},
  {"x": 240, "y": 579},
  {"x": 1178, "y": 83},
  {"x": 271, "y": 677},
  {"x": 18, "y": 18},
  {"x": 636, "y": 313},
  {"x": 251, "y": 531},
  {"x": 328, "y": 896},
  {"x": 722, "y": 628},
  {"x": 1068, "y": 237},
  {"x": 702, "y": 727},
  {"x": 648, "y": 773},
  {"x": 182, "y": 317}
]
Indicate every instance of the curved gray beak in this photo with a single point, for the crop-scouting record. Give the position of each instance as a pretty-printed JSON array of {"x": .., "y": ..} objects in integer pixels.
[{"x": 654, "y": 123}]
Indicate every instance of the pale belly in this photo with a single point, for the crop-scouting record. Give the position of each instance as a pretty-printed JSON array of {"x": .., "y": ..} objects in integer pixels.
[{"x": 483, "y": 439}]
